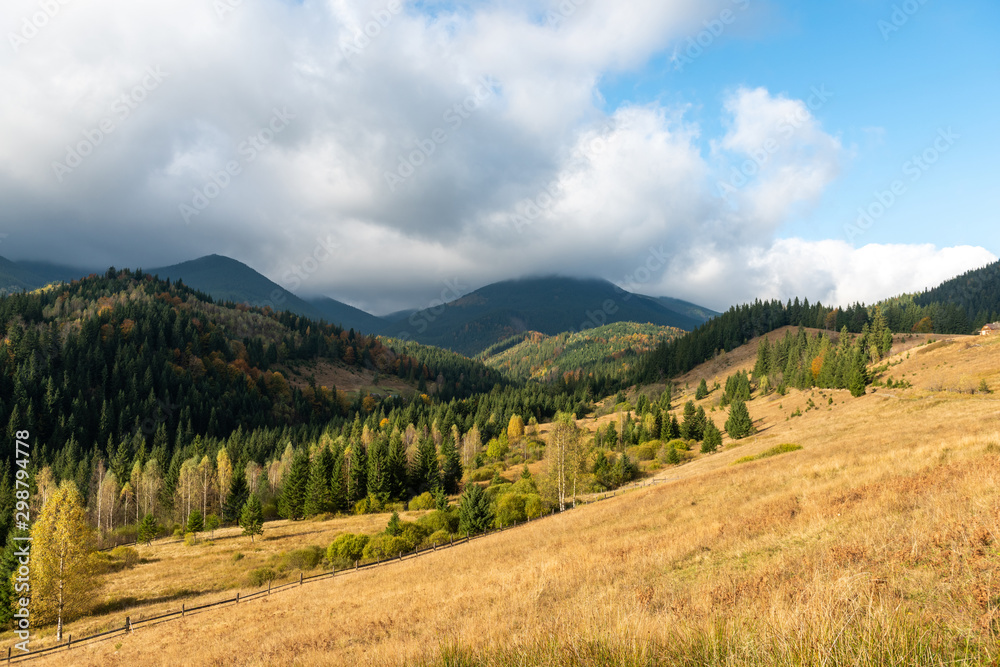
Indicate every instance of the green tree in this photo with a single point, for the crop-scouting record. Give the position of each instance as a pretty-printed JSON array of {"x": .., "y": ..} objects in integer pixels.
[
  {"x": 475, "y": 512},
  {"x": 713, "y": 438},
  {"x": 62, "y": 580},
  {"x": 237, "y": 496},
  {"x": 147, "y": 529},
  {"x": 9, "y": 563},
  {"x": 739, "y": 425},
  {"x": 319, "y": 498},
  {"x": 195, "y": 522},
  {"x": 702, "y": 391},
  {"x": 252, "y": 517},
  {"x": 394, "y": 527},
  {"x": 291, "y": 505},
  {"x": 425, "y": 473},
  {"x": 211, "y": 523},
  {"x": 357, "y": 474},
  {"x": 451, "y": 470},
  {"x": 689, "y": 425}
]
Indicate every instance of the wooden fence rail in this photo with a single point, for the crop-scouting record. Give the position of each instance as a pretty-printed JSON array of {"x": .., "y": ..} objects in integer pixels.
[{"x": 130, "y": 624}]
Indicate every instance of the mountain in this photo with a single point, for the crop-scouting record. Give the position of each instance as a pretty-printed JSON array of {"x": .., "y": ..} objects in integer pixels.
[
  {"x": 346, "y": 316},
  {"x": 17, "y": 276},
  {"x": 549, "y": 305},
  {"x": 692, "y": 310}
]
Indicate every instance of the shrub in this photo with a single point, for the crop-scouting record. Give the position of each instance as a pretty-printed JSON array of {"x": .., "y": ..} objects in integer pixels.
[
  {"x": 524, "y": 486},
  {"x": 260, "y": 576},
  {"x": 127, "y": 555},
  {"x": 510, "y": 508},
  {"x": 385, "y": 546},
  {"x": 179, "y": 533},
  {"x": 533, "y": 506},
  {"x": 347, "y": 549},
  {"x": 645, "y": 451},
  {"x": 304, "y": 559},
  {"x": 438, "y": 520},
  {"x": 438, "y": 537},
  {"x": 190, "y": 540},
  {"x": 237, "y": 557},
  {"x": 497, "y": 490},
  {"x": 425, "y": 501}
]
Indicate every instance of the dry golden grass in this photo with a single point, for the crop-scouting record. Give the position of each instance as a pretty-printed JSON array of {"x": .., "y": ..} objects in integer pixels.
[{"x": 877, "y": 543}]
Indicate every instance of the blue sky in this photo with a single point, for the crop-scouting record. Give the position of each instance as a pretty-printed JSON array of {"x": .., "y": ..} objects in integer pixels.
[
  {"x": 893, "y": 89},
  {"x": 402, "y": 149}
]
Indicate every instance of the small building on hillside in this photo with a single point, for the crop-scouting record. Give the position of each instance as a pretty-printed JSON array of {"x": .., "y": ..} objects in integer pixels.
[{"x": 990, "y": 329}]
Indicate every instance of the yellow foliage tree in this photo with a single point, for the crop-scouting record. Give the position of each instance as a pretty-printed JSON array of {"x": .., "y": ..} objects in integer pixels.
[{"x": 62, "y": 580}]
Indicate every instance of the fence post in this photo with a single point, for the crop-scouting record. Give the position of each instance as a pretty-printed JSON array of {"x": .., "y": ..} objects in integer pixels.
[
  {"x": 8, "y": 655},
  {"x": 237, "y": 597},
  {"x": 128, "y": 626},
  {"x": 300, "y": 578},
  {"x": 182, "y": 609},
  {"x": 334, "y": 572},
  {"x": 400, "y": 555},
  {"x": 356, "y": 566},
  {"x": 268, "y": 586}
]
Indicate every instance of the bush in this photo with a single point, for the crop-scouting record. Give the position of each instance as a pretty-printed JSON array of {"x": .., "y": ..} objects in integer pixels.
[
  {"x": 347, "y": 549},
  {"x": 179, "y": 533},
  {"x": 497, "y": 490},
  {"x": 303, "y": 559},
  {"x": 260, "y": 576},
  {"x": 510, "y": 508},
  {"x": 127, "y": 555},
  {"x": 190, "y": 540},
  {"x": 533, "y": 506},
  {"x": 645, "y": 451},
  {"x": 385, "y": 546},
  {"x": 438, "y": 537},
  {"x": 439, "y": 521},
  {"x": 237, "y": 557},
  {"x": 371, "y": 504},
  {"x": 524, "y": 486},
  {"x": 425, "y": 501},
  {"x": 270, "y": 511}
]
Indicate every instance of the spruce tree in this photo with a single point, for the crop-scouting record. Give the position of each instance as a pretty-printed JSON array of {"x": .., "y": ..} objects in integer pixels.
[
  {"x": 237, "y": 496},
  {"x": 291, "y": 505},
  {"x": 147, "y": 529},
  {"x": 739, "y": 425},
  {"x": 475, "y": 512},
  {"x": 8, "y": 566},
  {"x": 702, "y": 391},
  {"x": 338, "y": 492},
  {"x": 195, "y": 522},
  {"x": 379, "y": 483},
  {"x": 425, "y": 476},
  {"x": 357, "y": 476},
  {"x": 318, "y": 497},
  {"x": 688, "y": 426},
  {"x": 252, "y": 517},
  {"x": 397, "y": 466},
  {"x": 712, "y": 439},
  {"x": 451, "y": 470}
]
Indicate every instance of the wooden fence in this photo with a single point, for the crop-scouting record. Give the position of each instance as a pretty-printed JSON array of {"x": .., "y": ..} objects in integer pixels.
[{"x": 131, "y": 623}]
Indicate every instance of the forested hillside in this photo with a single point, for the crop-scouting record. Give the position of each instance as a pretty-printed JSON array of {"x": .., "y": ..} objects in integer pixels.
[
  {"x": 610, "y": 351},
  {"x": 141, "y": 379},
  {"x": 976, "y": 292}
]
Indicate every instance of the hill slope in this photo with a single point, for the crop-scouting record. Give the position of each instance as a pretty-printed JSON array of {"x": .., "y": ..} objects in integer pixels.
[
  {"x": 874, "y": 544},
  {"x": 548, "y": 305},
  {"x": 610, "y": 350}
]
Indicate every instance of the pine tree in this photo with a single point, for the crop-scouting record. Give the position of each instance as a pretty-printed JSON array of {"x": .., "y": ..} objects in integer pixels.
[
  {"x": 702, "y": 391},
  {"x": 357, "y": 479},
  {"x": 338, "y": 494},
  {"x": 62, "y": 580},
  {"x": 739, "y": 425},
  {"x": 239, "y": 491},
  {"x": 451, "y": 470},
  {"x": 712, "y": 439},
  {"x": 293, "y": 490},
  {"x": 252, "y": 517},
  {"x": 195, "y": 522},
  {"x": 397, "y": 466},
  {"x": 688, "y": 426},
  {"x": 147, "y": 530},
  {"x": 425, "y": 476},
  {"x": 319, "y": 500},
  {"x": 394, "y": 527},
  {"x": 475, "y": 512}
]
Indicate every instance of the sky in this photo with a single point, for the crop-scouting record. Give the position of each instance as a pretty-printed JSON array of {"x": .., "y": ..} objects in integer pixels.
[{"x": 391, "y": 154}]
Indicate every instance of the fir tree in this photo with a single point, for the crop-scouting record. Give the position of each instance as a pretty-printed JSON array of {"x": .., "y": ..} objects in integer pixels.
[
  {"x": 338, "y": 494},
  {"x": 475, "y": 512},
  {"x": 318, "y": 496},
  {"x": 739, "y": 425},
  {"x": 252, "y": 517},
  {"x": 237, "y": 496},
  {"x": 357, "y": 477},
  {"x": 713, "y": 438},
  {"x": 147, "y": 530},
  {"x": 293, "y": 490},
  {"x": 397, "y": 466},
  {"x": 195, "y": 522},
  {"x": 702, "y": 391},
  {"x": 451, "y": 470},
  {"x": 425, "y": 476}
]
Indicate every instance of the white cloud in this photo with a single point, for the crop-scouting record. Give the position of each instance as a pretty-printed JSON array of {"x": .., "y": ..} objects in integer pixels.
[{"x": 614, "y": 189}]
